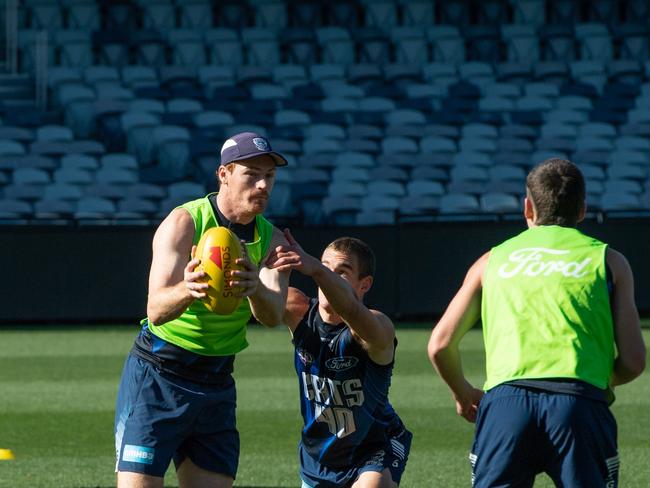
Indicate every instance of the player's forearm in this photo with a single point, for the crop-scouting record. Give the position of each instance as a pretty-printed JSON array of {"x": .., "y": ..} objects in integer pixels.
[
  {"x": 446, "y": 361},
  {"x": 624, "y": 373},
  {"x": 342, "y": 298},
  {"x": 168, "y": 303},
  {"x": 269, "y": 301},
  {"x": 338, "y": 292}
]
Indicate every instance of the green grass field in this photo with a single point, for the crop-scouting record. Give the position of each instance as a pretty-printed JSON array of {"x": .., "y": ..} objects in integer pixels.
[{"x": 58, "y": 387}]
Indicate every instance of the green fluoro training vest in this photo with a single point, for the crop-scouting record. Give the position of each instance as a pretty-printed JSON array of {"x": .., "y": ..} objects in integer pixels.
[
  {"x": 545, "y": 308},
  {"x": 197, "y": 329}
]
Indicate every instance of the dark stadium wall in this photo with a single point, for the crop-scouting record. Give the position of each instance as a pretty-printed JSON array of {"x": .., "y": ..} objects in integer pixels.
[{"x": 99, "y": 273}]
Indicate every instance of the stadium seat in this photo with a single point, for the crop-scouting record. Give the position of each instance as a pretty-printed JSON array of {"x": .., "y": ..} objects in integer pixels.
[
  {"x": 471, "y": 158},
  {"x": 138, "y": 127},
  {"x": 30, "y": 176},
  {"x": 619, "y": 201},
  {"x": 262, "y": 46},
  {"x": 270, "y": 13},
  {"x": 410, "y": 45},
  {"x": 224, "y": 47},
  {"x": 627, "y": 171},
  {"x": 135, "y": 208},
  {"x": 195, "y": 14},
  {"x": 529, "y": 12},
  {"x": 515, "y": 130},
  {"x": 522, "y": 42},
  {"x": 346, "y": 189},
  {"x": 633, "y": 40},
  {"x": 458, "y": 203},
  {"x": 341, "y": 210},
  {"x": 447, "y": 45},
  {"x": 373, "y": 46},
  {"x": 119, "y": 161},
  {"x": 336, "y": 45},
  {"x": 75, "y": 48},
  {"x": 595, "y": 41},
  {"x": 380, "y": 13},
  {"x": 417, "y": 12},
  {"x": 11, "y": 148},
  {"x": 79, "y": 161},
  {"x": 499, "y": 203},
  {"x": 299, "y": 45},
  {"x": 418, "y": 208},
  {"x": 187, "y": 47},
  {"x": 83, "y": 15},
  {"x": 73, "y": 176},
  {"x": 627, "y": 156},
  {"x": 557, "y": 42}
]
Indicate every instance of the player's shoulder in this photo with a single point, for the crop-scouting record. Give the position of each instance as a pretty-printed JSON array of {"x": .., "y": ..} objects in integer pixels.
[
  {"x": 179, "y": 218},
  {"x": 177, "y": 224},
  {"x": 477, "y": 270},
  {"x": 618, "y": 263},
  {"x": 382, "y": 318}
]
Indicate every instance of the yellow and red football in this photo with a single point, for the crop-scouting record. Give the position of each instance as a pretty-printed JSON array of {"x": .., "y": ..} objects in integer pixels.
[{"x": 218, "y": 249}]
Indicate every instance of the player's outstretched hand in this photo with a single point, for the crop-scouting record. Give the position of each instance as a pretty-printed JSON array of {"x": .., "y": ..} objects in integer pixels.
[
  {"x": 293, "y": 256},
  {"x": 467, "y": 402},
  {"x": 246, "y": 279},
  {"x": 195, "y": 279}
]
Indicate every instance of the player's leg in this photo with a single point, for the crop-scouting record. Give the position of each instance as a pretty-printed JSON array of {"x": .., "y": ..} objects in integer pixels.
[
  {"x": 503, "y": 452},
  {"x": 192, "y": 476},
  {"x": 150, "y": 422},
  {"x": 582, "y": 440},
  {"x": 209, "y": 456},
  {"x": 138, "y": 480},
  {"x": 373, "y": 479}
]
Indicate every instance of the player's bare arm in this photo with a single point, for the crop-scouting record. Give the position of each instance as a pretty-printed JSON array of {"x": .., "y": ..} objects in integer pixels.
[
  {"x": 296, "y": 308},
  {"x": 630, "y": 361},
  {"x": 461, "y": 314},
  {"x": 174, "y": 282},
  {"x": 371, "y": 328},
  {"x": 268, "y": 301}
]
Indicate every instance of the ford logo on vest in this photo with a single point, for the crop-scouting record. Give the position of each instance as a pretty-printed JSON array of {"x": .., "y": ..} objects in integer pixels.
[
  {"x": 341, "y": 364},
  {"x": 530, "y": 262}
]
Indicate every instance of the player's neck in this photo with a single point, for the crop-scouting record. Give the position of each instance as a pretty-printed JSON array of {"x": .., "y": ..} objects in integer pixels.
[
  {"x": 329, "y": 316},
  {"x": 232, "y": 211}
]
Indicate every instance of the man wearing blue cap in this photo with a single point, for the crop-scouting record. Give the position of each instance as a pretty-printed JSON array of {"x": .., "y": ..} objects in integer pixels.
[{"x": 177, "y": 395}]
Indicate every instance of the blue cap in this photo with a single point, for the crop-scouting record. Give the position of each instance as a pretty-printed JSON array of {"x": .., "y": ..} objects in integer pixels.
[{"x": 246, "y": 145}]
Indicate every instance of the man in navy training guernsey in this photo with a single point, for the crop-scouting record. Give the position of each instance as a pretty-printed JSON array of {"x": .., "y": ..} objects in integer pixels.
[{"x": 344, "y": 356}]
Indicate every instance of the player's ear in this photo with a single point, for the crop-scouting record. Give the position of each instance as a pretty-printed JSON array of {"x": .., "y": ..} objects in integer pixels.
[
  {"x": 366, "y": 284},
  {"x": 222, "y": 173},
  {"x": 583, "y": 211},
  {"x": 529, "y": 209}
]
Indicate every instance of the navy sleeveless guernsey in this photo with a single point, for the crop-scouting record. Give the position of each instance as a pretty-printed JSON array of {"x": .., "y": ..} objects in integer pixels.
[{"x": 344, "y": 394}]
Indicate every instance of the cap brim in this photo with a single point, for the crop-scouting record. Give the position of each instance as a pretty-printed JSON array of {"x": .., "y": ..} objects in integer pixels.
[{"x": 277, "y": 158}]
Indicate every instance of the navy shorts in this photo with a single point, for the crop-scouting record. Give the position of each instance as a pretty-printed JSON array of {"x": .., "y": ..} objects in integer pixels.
[
  {"x": 160, "y": 417},
  {"x": 521, "y": 432},
  {"x": 393, "y": 457}
]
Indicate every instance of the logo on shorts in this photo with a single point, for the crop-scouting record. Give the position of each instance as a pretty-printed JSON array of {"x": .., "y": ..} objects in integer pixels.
[
  {"x": 377, "y": 458},
  {"x": 305, "y": 357},
  {"x": 261, "y": 144},
  {"x": 137, "y": 454},
  {"x": 341, "y": 364}
]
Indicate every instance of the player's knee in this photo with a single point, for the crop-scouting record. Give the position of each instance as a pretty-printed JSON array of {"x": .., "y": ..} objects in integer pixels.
[{"x": 127, "y": 479}]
